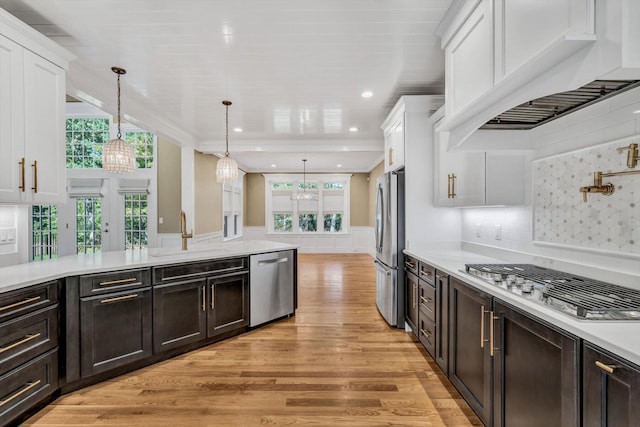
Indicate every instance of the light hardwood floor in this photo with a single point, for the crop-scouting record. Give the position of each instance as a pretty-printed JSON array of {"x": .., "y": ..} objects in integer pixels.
[{"x": 336, "y": 363}]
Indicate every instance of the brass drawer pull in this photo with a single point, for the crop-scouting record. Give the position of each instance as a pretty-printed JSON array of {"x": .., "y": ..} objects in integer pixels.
[
  {"x": 34, "y": 165},
  {"x": 213, "y": 293},
  {"x": 415, "y": 294},
  {"x": 482, "y": 312},
  {"x": 119, "y": 282},
  {"x": 18, "y": 343},
  {"x": 21, "y": 186},
  {"x": 425, "y": 273},
  {"x": 410, "y": 264},
  {"x": 607, "y": 368},
  {"x": 423, "y": 332},
  {"x": 204, "y": 299},
  {"x": 116, "y": 299},
  {"x": 19, "y": 303},
  {"x": 425, "y": 300},
  {"x": 28, "y": 387}
]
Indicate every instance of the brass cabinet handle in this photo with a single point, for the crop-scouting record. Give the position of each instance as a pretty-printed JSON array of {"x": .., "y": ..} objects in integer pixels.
[
  {"x": 482, "y": 312},
  {"x": 425, "y": 273},
  {"x": 28, "y": 387},
  {"x": 453, "y": 185},
  {"x": 116, "y": 299},
  {"x": 18, "y": 343},
  {"x": 415, "y": 295},
  {"x": 423, "y": 332},
  {"x": 410, "y": 264},
  {"x": 448, "y": 186},
  {"x": 35, "y": 176},
  {"x": 607, "y": 368},
  {"x": 19, "y": 303},
  {"x": 213, "y": 305},
  {"x": 425, "y": 300},
  {"x": 21, "y": 163},
  {"x": 492, "y": 318},
  {"x": 119, "y": 282},
  {"x": 204, "y": 299}
]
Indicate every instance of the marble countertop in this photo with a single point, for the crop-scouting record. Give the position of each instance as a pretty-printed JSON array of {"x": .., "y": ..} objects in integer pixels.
[
  {"x": 619, "y": 337},
  {"x": 23, "y": 275}
]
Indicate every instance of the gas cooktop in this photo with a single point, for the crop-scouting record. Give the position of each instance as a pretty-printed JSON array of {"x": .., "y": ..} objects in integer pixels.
[{"x": 577, "y": 296}]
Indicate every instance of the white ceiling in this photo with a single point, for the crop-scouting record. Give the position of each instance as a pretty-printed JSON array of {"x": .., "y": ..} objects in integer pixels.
[{"x": 294, "y": 70}]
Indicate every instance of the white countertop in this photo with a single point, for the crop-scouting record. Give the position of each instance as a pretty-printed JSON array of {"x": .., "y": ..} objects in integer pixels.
[
  {"x": 619, "y": 337},
  {"x": 23, "y": 275}
]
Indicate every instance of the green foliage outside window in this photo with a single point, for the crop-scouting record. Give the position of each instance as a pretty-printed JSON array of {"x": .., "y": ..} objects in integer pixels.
[
  {"x": 135, "y": 221},
  {"x": 333, "y": 186},
  {"x": 333, "y": 222},
  {"x": 143, "y": 146},
  {"x": 308, "y": 222},
  {"x": 282, "y": 222},
  {"x": 283, "y": 186},
  {"x": 44, "y": 224},
  {"x": 88, "y": 225},
  {"x": 85, "y": 141},
  {"x": 308, "y": 186}
]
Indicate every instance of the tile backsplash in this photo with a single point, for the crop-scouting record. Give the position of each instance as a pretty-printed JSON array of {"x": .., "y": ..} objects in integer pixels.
[{"x": 603, "y": 223}]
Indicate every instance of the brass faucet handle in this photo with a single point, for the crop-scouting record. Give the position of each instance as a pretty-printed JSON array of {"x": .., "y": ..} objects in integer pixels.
[{"x": 633, "y": 155}]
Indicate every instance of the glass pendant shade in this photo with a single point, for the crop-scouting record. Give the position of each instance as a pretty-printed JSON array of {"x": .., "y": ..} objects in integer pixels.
[
  {"x": 118, "y": 155},
  {"x": 297, "y": 195},
  {"x": 227, "y": 168}
]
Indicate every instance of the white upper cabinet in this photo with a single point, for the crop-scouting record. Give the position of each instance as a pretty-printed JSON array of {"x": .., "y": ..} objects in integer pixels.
[
  {"x": 498, "y": 54},
  {"x": 405, "y": 125},
  {"x": 32, "y": 115}
]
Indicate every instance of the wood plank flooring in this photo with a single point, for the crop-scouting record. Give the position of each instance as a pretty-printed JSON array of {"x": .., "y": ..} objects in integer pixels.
[{"x": 336, "y": 363}]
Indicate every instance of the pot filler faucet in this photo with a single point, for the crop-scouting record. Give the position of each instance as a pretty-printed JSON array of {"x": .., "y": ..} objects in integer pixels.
[
  {"x": 608, "y": 188},
  {"x": 183, "y": 230}
]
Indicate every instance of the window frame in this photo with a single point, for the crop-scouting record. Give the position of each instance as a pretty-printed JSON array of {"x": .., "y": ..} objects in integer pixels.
[{"x": 296, "y": 180}]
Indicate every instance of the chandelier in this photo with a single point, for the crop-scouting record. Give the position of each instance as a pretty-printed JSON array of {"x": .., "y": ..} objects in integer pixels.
[
  {"x": 304, "y": 195},
  {"x": 118, "y": 155},
  {"x": 227, "y": 168}
]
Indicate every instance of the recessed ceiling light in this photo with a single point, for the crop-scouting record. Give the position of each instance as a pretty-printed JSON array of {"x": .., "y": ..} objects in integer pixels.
[
  {"x": 367, "y": 94},
  {"x": 636, "y": 112},
  {"x": 353, "y": 129},
  {"x": 273, "y": 165},
  {"x": 339, "y": 165},
  {"x": 237, "y": 129}
]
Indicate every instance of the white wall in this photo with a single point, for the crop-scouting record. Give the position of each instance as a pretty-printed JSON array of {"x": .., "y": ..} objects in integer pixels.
[
  {"x": 595, "y": 126},
  {"x": 358, "y": 240}
]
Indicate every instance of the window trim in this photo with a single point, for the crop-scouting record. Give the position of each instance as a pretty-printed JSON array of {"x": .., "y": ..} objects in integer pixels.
[{"x": 295, "y": 179}]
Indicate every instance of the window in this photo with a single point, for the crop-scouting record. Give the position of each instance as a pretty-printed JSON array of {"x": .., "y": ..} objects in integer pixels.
[
  {"x": 135, "y": 221},
  {"x": 88, "y": 225},
  {"x": 44, "y": 227},
  {"x": 232, "y": 209},
  {"x": 142, "y": 143},
  {"x": 284, "y": 215},
  {"x": 85, "y": 139}
]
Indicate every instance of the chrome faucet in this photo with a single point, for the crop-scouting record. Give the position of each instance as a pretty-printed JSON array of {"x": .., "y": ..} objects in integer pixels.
[{"x": 183, "y": 230}]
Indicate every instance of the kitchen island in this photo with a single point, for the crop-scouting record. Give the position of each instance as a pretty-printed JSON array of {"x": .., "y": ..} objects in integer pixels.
[{"x": 77, "y": 320}]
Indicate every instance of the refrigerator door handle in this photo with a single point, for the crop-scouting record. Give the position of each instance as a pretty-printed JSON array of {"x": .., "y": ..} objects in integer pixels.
[
  {"x": 379, "y": 220},
  {"x": 387, "y": 271}
]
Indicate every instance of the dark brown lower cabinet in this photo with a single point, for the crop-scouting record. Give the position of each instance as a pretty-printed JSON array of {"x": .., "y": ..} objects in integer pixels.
[
  {"x": 611, "y": 390},
  {"x": 228, "y": 303},
  {"x": 536, "y": 371},
  {"x": 411, "y": 300},
  {"x": 179, "y": 314},
  {"x": 426, "y": 331},
  {"x": 442, "y": 321},
  {"x": 116, "y": 329},
  {"x": 469, "y": 357}
]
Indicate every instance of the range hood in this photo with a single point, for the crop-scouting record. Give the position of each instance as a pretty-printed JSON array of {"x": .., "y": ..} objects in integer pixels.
[{"x": 542, "y": 110}]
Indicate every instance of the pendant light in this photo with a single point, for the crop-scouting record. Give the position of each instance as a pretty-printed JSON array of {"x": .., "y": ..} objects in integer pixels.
[
  {"x": 118, "y": 155},
  {"x": 304, "y": 195},
  {"x": 227, "y": 168}
]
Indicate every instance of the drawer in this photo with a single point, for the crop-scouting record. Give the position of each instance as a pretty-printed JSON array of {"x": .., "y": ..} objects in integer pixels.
[
  {"x": 426, "y": 272},
  {"x": 113, "y": 281},
  {"x": 427, "y": 299},
  {"x": 411, "y": 264},
  {"x": 26, "y": 337},
  {"x": 427, "y": 332},
  {"x": 18, "y": 303},
  {"x": 194, "y": 270},
  {"x": 26, "y": 386}
]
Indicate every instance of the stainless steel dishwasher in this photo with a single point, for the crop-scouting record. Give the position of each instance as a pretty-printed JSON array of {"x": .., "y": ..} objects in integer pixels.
[{"x": 271, "y": 286}]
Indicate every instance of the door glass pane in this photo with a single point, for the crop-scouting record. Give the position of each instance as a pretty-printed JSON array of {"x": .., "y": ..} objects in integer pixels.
[
  {"x": 44, "y": 226},
  {"x": 135, "y": 221},
  {"x": 88, "y": 225}
]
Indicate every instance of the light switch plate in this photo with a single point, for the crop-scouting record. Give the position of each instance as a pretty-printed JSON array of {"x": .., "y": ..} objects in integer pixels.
[{"x": 498, "y": 232}]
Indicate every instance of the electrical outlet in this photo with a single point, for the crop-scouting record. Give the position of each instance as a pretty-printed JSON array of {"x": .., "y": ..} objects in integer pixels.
[
  {"x": 498, "y": 232},
  {"x": 161, "y": 220},
  {"x": 478, "y": 230}
]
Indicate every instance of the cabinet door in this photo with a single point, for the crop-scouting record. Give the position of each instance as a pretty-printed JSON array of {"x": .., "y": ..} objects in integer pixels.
[
  {"x": 469, "y": 357},
  {"x": 411, "y": 300},
  {"x": 45, "y": 129},
  {"x": 536, "y": 376},
  {"x": 459, "y": 175},
  {"x": 469, "y": 60},
  {"x": 115, "y": 330},
  {"x": 228, "y": 304},
  {"x": 179, "y": 314},
  {"x": 442, "y": 321},
  {"x": 610, "y": 390},
  {"x": 505, "y": 178},
  {"x": 11, "y": 120}
]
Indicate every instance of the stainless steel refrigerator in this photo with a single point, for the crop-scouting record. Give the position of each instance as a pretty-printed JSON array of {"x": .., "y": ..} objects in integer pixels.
[{"x": 389, "y": 241}]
